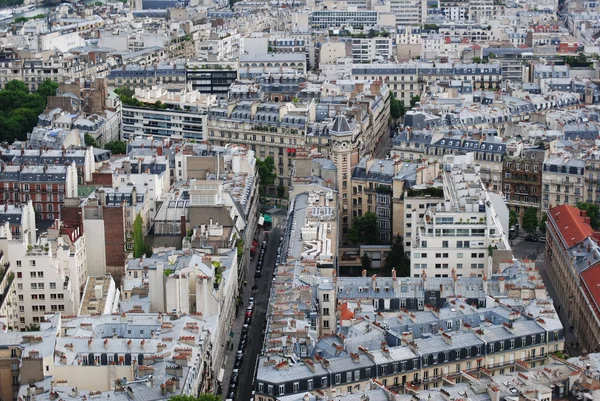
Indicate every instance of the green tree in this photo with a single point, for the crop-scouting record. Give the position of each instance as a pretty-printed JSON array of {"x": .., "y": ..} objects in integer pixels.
[
  {"x": 46, "y": 89},
  {"x": 366, "y": 261},
  {"x": 414, "y": 100},
  {"x": 397, "y": 258},
  {"x": 116, "y": 147},
  {"x": 397, "y": 108},
  {"x": 16, "y": 86},
  {"x": 201, "y": 397},
  {"x": 90, "y": 140},
  {"x": 513, "y": 218},
  {"x": 364, "y": 230},
  {"x": 530, "y": 220},
  {"x": 477, "y": 60},
  {"x": 139, "y": 248},
  {"x": 593, "y": 212},
  {"x": 280, "y": 191},
  {"x": 542, "y": 226},
  {"x": 266, "y": 174}
]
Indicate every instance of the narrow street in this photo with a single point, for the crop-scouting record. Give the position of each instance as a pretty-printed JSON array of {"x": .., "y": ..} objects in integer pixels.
[
  {"x": 261, "y": 298},
  {"x": 536, "y": 250}
]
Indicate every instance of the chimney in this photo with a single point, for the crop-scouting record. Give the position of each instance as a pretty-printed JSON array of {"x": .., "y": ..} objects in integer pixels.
[
  {"x": 364, "y": 273},
  {"x": 374, "y": 282},
  {"x": 502, "y": 284},
  {"x": 159, "y": 150}
]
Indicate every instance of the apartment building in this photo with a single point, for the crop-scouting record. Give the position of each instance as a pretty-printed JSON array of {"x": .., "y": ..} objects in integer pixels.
[
  {"x": 133, "y": 76},
  {"x": 269, "y": 129},
  {"x": 46, "y": 186},
  {"x": 522, "y": 183},
  {"x": 573, "y": 263},
  {"x": 415, "y": 201},
  {"x": 188, "y": 282},
  {"x": 21, "y": 220},
  {"x": 467, "y": 233},
  {"x": 562, "y": 181},
  {"x": 489, "y": 155},
  {"x": 49, "y": 275},
  {"x": 83, "y": 157},
  {"x": 169, "y": 122},
  {"x": 58, "y": 67},
  {"x": 378, "y": 187},
  {"x": 416, "y": 345},
  {"x": 410, "y": 79},
  {"x": 367, "y": 50},
  {"x": 592, "y": 178}
]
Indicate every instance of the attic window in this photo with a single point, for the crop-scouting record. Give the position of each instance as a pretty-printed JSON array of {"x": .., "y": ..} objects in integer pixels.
[
  {"x": 341, "y": 289},
  {"x": 376, "y": 289},
  {"x": 359, "y": 289},
  {"x": 387, "y": 289}
]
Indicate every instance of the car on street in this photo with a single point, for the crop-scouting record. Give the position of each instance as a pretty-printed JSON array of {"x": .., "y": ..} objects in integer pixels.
[
  {"x": 531, "y": 238},
  {"x": 257, "y": 273},
  {"x": 235, "y": 375},
  {"x": 245, "y": 328},
  {"x": 231, "y": 394},
  {"x": 542, "y": 239},
  {"x": 242, "y": 345},
  {"x": 248, "y": 314}
]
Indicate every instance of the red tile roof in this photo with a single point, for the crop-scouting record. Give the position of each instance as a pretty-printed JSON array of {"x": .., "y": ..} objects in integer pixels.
[
  {"x": 591, "y": 278},
  {"x": 346, "y": 314},
  {"x": 571, "y": 224}
]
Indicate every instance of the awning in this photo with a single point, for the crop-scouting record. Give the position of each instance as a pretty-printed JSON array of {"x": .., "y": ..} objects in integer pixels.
[
  {"x": 255, "y": 243},
  {"x": 261, "y": 220},
  {"x": 268, "y": 218},
  {"x": 221, "y": 374}
]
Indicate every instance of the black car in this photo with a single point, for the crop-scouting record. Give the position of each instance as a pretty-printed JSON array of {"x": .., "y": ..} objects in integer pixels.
[
  {"x": 257, "y": 273},
  {"x": 244, "y": 337},
  {"x": 231, "y": 394},
  {"x": 531, "y": 238},
  {"x": 242, "y": 345},
  {"x": 237, "y": 364}
]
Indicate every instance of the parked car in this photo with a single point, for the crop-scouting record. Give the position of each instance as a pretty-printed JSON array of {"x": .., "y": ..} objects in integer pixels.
[
  {"x": 245, "y": 328},
  {"x": 542, "y": 238},
  {"x": 531, "y": 238},
  {"x": 235, "y": 375},
  {"x": 257, "y": 273},
  {"x": 249, "y": 314}
]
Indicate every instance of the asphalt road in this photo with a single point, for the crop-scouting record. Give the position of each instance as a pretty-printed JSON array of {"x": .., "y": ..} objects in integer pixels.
[{"x": 257, "y": 325}]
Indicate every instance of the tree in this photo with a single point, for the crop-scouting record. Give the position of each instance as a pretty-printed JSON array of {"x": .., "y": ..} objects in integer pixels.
[
  {"x": 46, "y": 89},
  {"x": 16, "y": 86},
  {"x": 513, "y": 218},
  {"x": 19, "y": 109},
  {"x": 266, "y": 173},
  {"x": 414, "y": 100},
  {"x": 530, "y": 220},
  {"x": 201, "y": 397},
  {"x": 397, "y": 108},
  {"x": 477, "y": 60},
  {"x": 139, "y": 249},
  {"x": 90, "y": 140},
  {"x": 280, "y": 191},
  {"x": 365, "y": 261},
  {"x": 593, "y": 212},
  {"x": 116, "y": 147},
  {"x": 397, "y": 258},
  {"x": 364, "y": 230},
  {"x": 542, "y": 226}
]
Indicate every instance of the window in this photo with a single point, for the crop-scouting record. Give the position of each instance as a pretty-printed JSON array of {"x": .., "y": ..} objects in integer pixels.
[
  {"x": 325, "y": 297},
  {"x": 296, "y": 387},
  {"x": 40, "y": 274},
  {"x": 310, "y": 384},
  {"x": 325, "y": 311},
  {"x": 34, "y": 286},
  {"x": 323, "y": 381},
  {"x": 270, "y": 389},
  {"x": 52, "y": 286},
  {"x": 32, "y": 263},
  {"x": 348, "y": 377},
  {"x": 338, "y": 378},
  {"x": 326, "y": 324}
]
